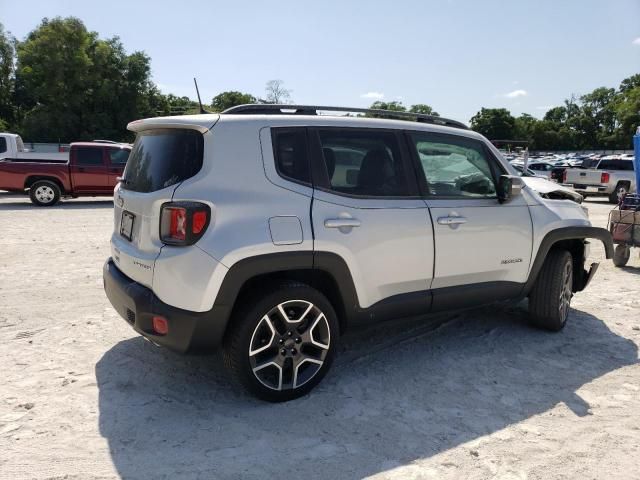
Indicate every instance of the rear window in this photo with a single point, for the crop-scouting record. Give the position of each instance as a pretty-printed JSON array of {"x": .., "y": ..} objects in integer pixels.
[
  {"x": 3, "y": 144},
  {"x": 589, "y": 163},
  {"x": 161, "y": 158}
]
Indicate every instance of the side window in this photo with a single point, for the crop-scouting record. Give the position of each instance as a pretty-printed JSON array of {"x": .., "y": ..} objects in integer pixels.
[
  {"x": 118, "y": 156},
  {"x": 623, "y": 165},
  {"x": 291, "y": 154},
  {"x": 454, "y": 166},
  {"x": 364, "y": 162},
  {"x": 3, "y": 144},
  {"x": 89, "y": 156}
]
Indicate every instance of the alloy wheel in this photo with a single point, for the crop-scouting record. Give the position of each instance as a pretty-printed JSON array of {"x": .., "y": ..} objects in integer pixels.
[
  {"x": 289, "y": 345},
  {"x": 566, "y": 291}
]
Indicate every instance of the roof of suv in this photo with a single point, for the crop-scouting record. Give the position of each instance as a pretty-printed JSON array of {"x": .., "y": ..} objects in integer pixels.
[{"x": 204, "y": 122}]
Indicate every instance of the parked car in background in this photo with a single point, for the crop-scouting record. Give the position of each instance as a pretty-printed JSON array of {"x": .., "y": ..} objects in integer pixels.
[
  {"x": 12, "y": 148},
  {"x": 530, "y": 173},
  {"x": 92, "y": 169},
  {"x": 558, "y": 169},
  {"x": 542, "y": 169},
  {"x": 611, "y": 176}
]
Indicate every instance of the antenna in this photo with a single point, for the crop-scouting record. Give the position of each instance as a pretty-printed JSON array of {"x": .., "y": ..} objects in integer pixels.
[{"x": 202, "y": 110}]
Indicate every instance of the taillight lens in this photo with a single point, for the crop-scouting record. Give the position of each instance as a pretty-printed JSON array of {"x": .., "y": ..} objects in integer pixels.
[
  {"x": 604, "y": 178},
  {"x": 564, "y": 177},
  {"x": 183, "y": 223}
]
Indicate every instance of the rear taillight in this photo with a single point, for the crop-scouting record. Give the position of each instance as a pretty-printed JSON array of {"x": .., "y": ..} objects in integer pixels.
[
  {"x": 183, "y": 223},
  {"x": 604, "y": 178},
  {"x": 564, "y": 177}
]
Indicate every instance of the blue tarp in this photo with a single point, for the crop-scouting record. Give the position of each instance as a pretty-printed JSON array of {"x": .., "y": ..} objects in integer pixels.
[{"x": 636, "y": 147}]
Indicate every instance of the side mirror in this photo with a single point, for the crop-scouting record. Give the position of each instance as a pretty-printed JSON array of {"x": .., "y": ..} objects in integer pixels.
[{"x": 509, "y": 186}]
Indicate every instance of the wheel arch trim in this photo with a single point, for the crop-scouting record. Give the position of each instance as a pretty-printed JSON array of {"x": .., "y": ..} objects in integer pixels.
[{"x": 561, "y": 234}]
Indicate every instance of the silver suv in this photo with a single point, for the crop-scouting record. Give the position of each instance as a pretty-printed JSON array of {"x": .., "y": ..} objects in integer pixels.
[{"x": 268, "y": 230}]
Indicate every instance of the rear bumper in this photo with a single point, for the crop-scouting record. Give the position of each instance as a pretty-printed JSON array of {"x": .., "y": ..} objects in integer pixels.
[
  {"x": 588, "y": 189},
  {"x": 138, "y": 305}
]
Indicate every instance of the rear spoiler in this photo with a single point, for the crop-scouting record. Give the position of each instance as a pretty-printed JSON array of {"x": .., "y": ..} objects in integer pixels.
[{"x": 201, "y": 123}]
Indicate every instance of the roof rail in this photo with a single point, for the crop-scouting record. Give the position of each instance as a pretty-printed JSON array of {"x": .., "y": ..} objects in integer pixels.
[{"x": 282, "y": 109}]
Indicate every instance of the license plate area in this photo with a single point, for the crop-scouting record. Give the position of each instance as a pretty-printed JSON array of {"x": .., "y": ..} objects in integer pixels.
[
  {"x": 592, "y": 189},
  {"x": 126, "y": 224}
]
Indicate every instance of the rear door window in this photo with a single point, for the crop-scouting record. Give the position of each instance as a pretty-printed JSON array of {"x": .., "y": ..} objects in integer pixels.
[
  {"x": 364, "y": 162},
  {"x": 163, "y": 157},
  {"x": 89, "y": 156}
]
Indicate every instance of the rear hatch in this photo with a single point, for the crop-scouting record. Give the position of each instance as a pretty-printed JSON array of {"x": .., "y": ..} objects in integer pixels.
[
  {"x": 163, "y": 156},
  {"x": 585, "y": 175}
]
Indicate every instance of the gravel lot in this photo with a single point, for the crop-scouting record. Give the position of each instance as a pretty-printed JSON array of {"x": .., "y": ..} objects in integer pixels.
[{"x": 473, "y": 395}]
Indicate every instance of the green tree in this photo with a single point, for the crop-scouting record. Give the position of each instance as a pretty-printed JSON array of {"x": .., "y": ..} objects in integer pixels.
[
  {"x": 394, "y": 106},
  {"x": 556, "y": 115},
  {"x": 71, "y": 85},
  {"x": 173, "y": 105},
  {"x": 229, "y": 99},
  {"x": 7, "y": 53},
  {"x": 423, "y": 108},
  {"x": 494, "y": 123},
  {"x": 524, "y": 127},
  {"x": 627, "y": 113},
  {"x": 630, "y": 83}
]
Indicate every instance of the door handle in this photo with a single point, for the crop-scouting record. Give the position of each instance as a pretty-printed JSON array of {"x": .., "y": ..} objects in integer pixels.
[
  {"x": 451, "y": 220},
  {"x": 80, "y": 169},
  {"x": 341, "y": 222}
]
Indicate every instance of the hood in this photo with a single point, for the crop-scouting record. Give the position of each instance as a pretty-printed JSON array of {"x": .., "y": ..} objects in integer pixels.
[{"x": 551, "y": 190}]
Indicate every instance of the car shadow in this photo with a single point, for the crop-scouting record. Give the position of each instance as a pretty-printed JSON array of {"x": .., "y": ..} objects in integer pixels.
[
  {"x": 396, "y": 393},
  {"x": 22, "y": 202},
  {"x": 630, "y": 269}
]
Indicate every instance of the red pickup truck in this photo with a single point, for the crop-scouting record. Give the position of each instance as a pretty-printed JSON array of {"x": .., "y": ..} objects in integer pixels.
[{"x": 92, "y": 169}]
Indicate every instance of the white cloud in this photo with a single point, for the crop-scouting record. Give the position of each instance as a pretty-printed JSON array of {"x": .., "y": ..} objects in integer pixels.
[
  {"x": 516, "y": 94},
  {"x": 373, "y": 95},
  {"x": 636, "y": 41},
  {"x": 545, "y": 107}
]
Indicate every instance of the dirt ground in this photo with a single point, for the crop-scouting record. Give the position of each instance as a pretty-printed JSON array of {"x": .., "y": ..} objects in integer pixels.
[{"x": 474, "y": 395}]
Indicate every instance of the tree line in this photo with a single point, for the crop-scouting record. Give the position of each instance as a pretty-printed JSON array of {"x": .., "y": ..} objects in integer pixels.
[
  {"x": 64, "y": 83},
  {"x": 606, "y": 118}
]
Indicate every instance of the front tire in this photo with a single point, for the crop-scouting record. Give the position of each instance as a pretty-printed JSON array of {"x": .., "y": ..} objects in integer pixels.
[
  {"x": 621, "y": 255},
  {"x": 282, "y": 343},
  {"x": 550, "y": 298},
  {"x": 44, "y": 193}
]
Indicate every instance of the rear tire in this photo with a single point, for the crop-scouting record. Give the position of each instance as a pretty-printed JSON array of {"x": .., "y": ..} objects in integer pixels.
[
  {"x": 44, "y": 193},
  {"x": 282, "y": 342},
  {"x": 618, "y": 193},
  {"x": 550, "y": 298},
  {"x": 621, "y": 255}
]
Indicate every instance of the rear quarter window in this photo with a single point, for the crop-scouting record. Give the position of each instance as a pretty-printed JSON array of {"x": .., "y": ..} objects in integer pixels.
[
  {"x": 3, "y": 144},
  {"x": 161, "y": 158}
]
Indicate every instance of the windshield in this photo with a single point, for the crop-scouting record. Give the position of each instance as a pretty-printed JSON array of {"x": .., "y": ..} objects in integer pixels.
[{"x": 161, "y": 158}]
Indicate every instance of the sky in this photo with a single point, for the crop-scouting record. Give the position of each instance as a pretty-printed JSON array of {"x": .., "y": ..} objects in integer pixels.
[{"x": 455, "y": 55}]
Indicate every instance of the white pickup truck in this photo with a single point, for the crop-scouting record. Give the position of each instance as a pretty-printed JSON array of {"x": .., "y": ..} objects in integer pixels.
[
  {"x": 611, "y": 176},
  {"x": 12, "y": 148}
]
